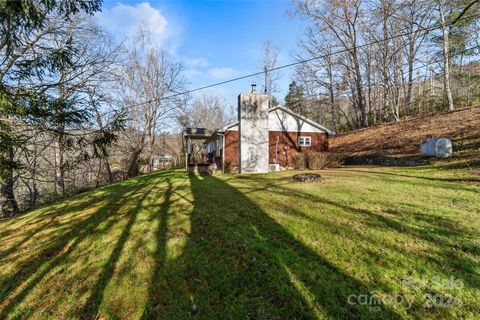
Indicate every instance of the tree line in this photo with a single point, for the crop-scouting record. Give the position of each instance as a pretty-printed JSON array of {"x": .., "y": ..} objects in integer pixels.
[
  {"x": 370, "y": 62},
  {"x": 78, "y": 109}
]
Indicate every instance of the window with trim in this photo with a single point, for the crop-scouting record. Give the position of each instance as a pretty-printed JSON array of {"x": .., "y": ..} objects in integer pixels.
[{"x": 304, "y": 141}]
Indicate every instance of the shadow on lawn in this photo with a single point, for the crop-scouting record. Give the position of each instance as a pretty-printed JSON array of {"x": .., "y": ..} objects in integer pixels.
[
  {"x": 239, "y": 263},
  {"x": 445, "y": 181},
  {"x": 91, "y": 307},
  {"x": 58, "y": 251},
  {"x": 440, "y": 231},
  {"x": 158, "y": 274}
]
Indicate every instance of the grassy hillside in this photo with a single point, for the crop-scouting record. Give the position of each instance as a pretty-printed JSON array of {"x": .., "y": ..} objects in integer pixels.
[
  {"x": 173, "y": 246},
  {"x": 404, "y": 138}
]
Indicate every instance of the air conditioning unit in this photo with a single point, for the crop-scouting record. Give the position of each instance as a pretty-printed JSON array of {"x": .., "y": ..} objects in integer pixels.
[{"x": 274, "y": 167}]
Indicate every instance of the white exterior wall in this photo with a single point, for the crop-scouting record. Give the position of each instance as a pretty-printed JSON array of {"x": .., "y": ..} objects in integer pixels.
[
  {"x": 253, "y": 132},
  {"x": 279, "y": 120}
]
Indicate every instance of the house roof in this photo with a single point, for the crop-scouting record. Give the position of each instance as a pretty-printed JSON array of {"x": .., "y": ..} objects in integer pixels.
[
  {"x": 228, "y": 126},
  {"x": 290, "y": 112}
]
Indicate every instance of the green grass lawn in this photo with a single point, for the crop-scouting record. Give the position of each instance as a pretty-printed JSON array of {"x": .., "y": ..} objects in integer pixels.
[{"x": 366, "y": 242}]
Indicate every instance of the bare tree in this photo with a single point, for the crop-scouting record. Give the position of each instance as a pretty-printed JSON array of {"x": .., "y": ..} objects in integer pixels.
[
  {"x": 414, "y": 14},
  {"x": 446, "y": 53},
  {"x": 342, "y": 19},
  {"x": 148, "y": 78},
  {"x": 73, "y": 88},
  {"x": 365, "y": 55},
  {"x": 321, "y": 74},
  {"x": 270, "y": 61},
  {"x": 208, "y": 110}
]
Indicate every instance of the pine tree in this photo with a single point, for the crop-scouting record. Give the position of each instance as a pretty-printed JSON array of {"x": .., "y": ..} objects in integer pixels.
[
  {"x": 295, "y": 99},
  {"x": 23, "y": 25}
]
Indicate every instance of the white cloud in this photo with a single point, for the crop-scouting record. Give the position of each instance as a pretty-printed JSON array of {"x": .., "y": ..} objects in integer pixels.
[
  {"x": 192, "y": 73},
  {"x": 124, "y": 20},
  {"x": 222, "y": 73},
  {"x": 197, "y": 62}
]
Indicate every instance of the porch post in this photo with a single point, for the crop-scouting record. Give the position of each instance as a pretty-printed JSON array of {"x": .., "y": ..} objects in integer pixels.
[{"x": 185, "y": 149}]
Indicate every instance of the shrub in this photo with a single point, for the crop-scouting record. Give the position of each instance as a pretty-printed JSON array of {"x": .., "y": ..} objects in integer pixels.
[
  {"x": 319, "y": 160},
  {"x": 229, "y": 168},
  {"x": 300, "y": 161},
  {"x": 316, "y": 160}
]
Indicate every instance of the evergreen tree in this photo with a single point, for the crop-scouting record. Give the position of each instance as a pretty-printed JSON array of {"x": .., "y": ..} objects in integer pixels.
[
  {"x": 24, "y": 25},
  {"x": 295, "y": 99},
  {"x": 274, "y": 101}
]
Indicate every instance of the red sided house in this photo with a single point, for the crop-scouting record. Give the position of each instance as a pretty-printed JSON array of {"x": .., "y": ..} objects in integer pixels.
[{"x": 262, "y": 136}]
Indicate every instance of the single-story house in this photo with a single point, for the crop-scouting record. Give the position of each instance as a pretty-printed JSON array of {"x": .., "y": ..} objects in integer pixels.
[{"x": 262, "y": 136}]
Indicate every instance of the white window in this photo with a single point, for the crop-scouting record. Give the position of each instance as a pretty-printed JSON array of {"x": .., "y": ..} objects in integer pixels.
[{"x": 305, "y": 141}]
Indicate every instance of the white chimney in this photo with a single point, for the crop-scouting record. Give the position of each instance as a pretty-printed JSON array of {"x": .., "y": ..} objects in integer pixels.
[{"x": 253, "y": 132}]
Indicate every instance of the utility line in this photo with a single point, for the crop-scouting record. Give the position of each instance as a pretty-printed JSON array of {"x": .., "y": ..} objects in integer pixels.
[{"x": 427, "y": 30}]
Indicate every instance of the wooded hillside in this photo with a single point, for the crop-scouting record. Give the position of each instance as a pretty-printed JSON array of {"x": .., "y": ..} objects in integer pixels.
[{"x": 404, "y": 137}]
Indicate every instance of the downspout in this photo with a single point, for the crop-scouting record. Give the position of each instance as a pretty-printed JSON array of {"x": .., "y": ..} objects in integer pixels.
[
  {"x": 276, "y": 150},
  {"x": 223, "y": 152}
]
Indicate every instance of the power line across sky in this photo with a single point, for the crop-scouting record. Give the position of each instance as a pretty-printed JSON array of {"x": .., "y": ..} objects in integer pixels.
[{"x": 426, "y": 30}]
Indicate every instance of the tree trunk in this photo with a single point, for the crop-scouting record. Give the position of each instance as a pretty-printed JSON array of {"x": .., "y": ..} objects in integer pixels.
[
  {"x": 59, "y": 167},
  {"x": 8, "y": 204},
  {"x": 369, "y": 88},
  {"x": 332, "y": 98},
  {"x": 411, "y": 58},
  {"x": 358, "y": 86},
  {"x": 385, "y": 70},
  {"x": 151, "y": 146},
  {"x": 33, "y": 200},
  {"x": 109, "y": 171},
  {"x": 332, "y": 108},
  {"x": 432, "y": 81},
  {"x": 361, "y": 98},
  {"x": 133, "y": 167},
  {"x": 34, "y": 188},
  {"x": 396, "y": 91},
  {"x": 99, "y": 174},
  {"x": 446, "y": 58}
]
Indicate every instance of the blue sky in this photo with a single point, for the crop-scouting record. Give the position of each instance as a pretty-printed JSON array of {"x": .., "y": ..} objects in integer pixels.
[{"x": 215, "y": 40}]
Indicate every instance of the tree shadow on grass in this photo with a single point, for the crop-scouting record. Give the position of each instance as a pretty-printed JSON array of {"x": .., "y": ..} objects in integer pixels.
[
  {"x": 38, "y": 223},
  {"x": 35, "y": 268},
  {"x": 447, "y": 186},
  {"x": 47, "y": 220},
  {"x": 239, "y": 263},
  {"x": 158, "y": 274},
  {"x": 440, "y": 231},
  {"x": 91, "y": 307}
]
